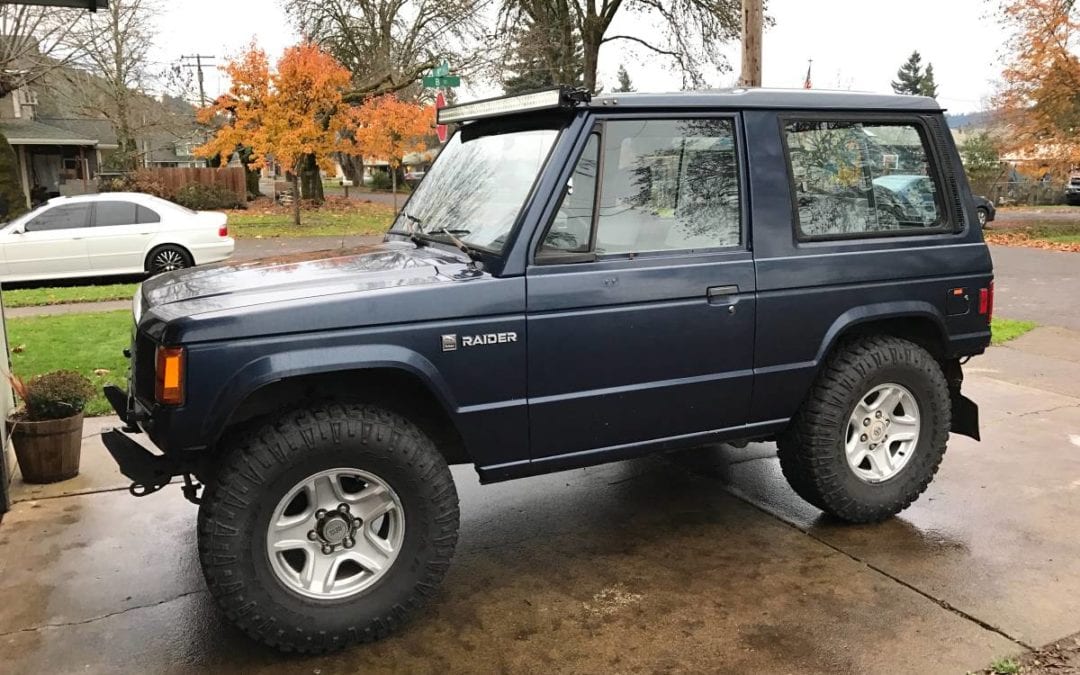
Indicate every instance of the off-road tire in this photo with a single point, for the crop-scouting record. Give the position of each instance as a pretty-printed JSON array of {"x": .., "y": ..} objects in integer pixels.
[
  {"x": 264, "y": 464},
  {"x": 811, "y": 450}
]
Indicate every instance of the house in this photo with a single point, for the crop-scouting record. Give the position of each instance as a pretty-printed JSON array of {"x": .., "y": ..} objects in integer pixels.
[{"x": 60, "y": 152}]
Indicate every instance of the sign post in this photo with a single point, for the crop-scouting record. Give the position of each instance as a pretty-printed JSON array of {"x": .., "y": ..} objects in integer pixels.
[{"x": 440, "y": 78}]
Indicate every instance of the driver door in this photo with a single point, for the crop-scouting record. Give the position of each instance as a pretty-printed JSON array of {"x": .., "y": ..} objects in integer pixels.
[
  {"x": 50, "y": 245},
  {"x": 641, "y": 296}
]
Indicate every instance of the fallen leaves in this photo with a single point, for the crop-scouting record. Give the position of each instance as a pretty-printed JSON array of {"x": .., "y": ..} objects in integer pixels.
[{"x": 1026, "y": 240}]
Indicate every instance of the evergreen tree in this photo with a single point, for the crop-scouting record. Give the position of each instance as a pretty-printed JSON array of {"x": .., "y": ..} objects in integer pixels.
[
  {"x": 928, "y": 87},
  {"x": 623, "y": 79},
  {"x": 542, "y": 55},
  {"x": 909, "y": 79}
]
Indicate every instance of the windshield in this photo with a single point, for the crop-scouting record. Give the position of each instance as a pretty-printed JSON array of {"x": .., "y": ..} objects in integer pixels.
[{"x": 477, "y": 187}]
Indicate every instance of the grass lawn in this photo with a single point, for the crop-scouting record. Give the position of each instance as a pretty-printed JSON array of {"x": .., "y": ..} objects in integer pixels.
[
  {"x": 356, "y": 218},
  {"x": 37, "y": 297},
  {"x": 82, "y": 342},
  {"x": 1049, "y": 234},
  {"x": 1003, "y": 330}
]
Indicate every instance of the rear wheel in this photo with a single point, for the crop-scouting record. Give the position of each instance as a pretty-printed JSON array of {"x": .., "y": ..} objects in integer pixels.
[
  {"x": 984, "y": 216},
  {"x": 168, "y": 258},
  {"x": 328, "y": 527},
  {"x": 872, "y": 432}
]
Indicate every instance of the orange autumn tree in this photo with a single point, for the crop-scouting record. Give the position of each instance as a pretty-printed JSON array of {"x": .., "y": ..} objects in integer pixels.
[
  {"x": 388, "y": 128},
  {"x": 291, "y": 114},
  {"x": 1041, "y": 79}
]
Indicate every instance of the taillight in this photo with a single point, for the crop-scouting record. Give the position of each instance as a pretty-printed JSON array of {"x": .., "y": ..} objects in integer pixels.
[
  {"x": 986, "y": 301},
  {"x": 223, "y": 231},
  {"x": 169, "y": 388}
]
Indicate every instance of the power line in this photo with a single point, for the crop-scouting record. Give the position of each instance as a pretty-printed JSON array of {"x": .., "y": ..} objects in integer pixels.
[{"x": 199, "y": 59}]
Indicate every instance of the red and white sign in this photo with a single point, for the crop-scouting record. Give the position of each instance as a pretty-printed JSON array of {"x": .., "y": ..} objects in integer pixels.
[{"x": 440, "y": 129}]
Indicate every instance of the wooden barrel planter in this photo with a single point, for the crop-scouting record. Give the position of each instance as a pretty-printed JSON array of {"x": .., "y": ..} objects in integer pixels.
[{"x": 47, "y": 451}]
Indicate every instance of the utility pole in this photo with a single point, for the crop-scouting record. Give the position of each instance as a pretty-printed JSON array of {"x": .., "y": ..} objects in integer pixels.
[
  {"x": 753, "y": 17},
  {"x": 198, "y": 66}
]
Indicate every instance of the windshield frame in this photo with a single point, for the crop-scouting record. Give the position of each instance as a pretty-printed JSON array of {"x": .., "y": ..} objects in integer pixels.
[{"x": 558, "y": 121}]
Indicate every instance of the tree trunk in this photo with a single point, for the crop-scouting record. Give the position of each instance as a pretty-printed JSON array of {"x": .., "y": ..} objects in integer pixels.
[
  {"x": 393, "y": 185},
  {"x": 296, "y": 198},
  {"x": 12, "y": 197},
  {"x": 311, "y": 180}
]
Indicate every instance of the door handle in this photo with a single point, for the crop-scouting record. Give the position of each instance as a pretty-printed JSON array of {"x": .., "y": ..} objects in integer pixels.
[{"x": 715, "y": 292}]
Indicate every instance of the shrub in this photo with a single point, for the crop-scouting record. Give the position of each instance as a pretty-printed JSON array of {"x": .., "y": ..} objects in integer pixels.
[
  {"x": 380, "y": 180},
  {"x": 203, "y": 197},
  {"x": 140, "y": 181},
  {"x": 54, "y": 396}
]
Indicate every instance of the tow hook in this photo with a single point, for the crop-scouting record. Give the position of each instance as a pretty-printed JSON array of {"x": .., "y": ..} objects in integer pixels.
[{"x": 191, "y": 488}]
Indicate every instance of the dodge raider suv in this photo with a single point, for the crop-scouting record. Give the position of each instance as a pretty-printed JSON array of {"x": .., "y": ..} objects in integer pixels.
[{"x": 575, "y": 281}]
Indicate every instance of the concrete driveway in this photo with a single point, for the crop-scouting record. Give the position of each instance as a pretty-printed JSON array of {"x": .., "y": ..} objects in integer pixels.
[{"x": 704, "y": 561}]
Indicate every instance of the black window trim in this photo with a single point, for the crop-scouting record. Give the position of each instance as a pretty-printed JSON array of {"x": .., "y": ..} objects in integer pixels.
[
  {"x": 951, "y": 225},
  {"x": 87, "y": 218},
  {"x": 598, "y": 125}
]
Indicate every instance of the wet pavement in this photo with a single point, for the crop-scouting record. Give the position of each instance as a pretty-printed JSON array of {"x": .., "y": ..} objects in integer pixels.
[{"x": 704, "y": 561}]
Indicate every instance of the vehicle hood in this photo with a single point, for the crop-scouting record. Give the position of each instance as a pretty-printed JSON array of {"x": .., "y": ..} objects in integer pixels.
[{"x": 309, "y": 276}]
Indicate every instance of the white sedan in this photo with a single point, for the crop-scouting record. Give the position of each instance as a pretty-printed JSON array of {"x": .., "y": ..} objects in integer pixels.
[{"x": 110, "y": 234}]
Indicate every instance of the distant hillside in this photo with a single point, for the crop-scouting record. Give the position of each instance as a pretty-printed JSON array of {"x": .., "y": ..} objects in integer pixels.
[{"x": 975, "y": 119}]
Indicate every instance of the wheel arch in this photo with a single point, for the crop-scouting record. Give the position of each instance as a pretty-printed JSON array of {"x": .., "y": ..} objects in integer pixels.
[
  {"x": 919, "y": 322},
  {"x": 402, "y": 385}
]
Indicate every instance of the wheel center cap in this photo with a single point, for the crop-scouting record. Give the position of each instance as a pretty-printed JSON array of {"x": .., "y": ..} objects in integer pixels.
[
  {"x": 335, "y": 529},
  {"x": 877, "y": 431}
]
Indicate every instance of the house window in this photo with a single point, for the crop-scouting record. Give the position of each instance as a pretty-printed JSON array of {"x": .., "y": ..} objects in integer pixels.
[{"x": 853, "y": 178}]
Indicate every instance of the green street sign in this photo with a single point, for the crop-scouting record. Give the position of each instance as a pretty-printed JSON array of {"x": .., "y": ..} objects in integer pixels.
[
  {"x": 441, "y": 70},
  {"x": 441, "y": 81}
]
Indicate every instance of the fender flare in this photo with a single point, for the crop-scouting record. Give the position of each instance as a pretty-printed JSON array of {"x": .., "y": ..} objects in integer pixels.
[
  {"x": 876, "y": 312},
  {"x": 266, "y": 370}
]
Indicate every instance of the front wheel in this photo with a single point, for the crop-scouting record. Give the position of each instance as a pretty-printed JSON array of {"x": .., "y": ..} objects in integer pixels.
[
  {"x": 872, "y": 432},
  {"x": 984, "y": 217},
  {"x": 327, "y": 527}
]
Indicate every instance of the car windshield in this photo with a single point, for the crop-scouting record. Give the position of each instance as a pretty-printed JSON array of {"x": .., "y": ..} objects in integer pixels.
[{"x": 477, "y": 186}]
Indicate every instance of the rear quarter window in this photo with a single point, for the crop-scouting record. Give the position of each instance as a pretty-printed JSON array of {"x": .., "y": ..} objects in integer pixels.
[{"x": 857, "y": 178}]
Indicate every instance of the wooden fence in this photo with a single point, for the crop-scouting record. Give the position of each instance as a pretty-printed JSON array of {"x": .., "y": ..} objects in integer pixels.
[{"x": 174, "y": 178}]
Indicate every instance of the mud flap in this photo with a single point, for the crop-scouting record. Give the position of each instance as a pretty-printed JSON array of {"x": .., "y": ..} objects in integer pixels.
[{"x": 965, "y": 416}]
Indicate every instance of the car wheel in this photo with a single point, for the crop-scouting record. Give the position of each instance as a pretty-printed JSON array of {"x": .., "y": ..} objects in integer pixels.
[
  {"x": 327, "y": 527},
  {"x": 168, "y": 259},
  {"x": 872, "y": 432},
  {"x": 984, "y": 216}
]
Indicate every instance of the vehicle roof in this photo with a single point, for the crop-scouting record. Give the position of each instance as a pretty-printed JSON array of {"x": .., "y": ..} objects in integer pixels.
[
  {"x": 111, "y": 196},
  {"x": 802, "y": 99}
]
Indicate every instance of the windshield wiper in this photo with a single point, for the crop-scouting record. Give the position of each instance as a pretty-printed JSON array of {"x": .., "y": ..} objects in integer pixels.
[{"x": 451, "y": 234}]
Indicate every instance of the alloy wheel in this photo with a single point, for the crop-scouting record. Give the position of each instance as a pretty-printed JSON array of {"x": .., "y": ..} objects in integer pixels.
[{"x": 882, "y": 433}]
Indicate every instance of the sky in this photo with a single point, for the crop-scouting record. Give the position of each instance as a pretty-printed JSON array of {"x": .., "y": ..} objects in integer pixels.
[{"x": 854, "y": 44}]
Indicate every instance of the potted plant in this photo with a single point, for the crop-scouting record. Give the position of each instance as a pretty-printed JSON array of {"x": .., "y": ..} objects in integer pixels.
[{"x": 46, "y": 429}]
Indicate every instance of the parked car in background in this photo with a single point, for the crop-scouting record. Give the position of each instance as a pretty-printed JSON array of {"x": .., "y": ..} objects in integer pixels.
[
  {"x": 985, "y": 210},
  {"x": 1072, "y": 191},
  {"x": 414, "y": 176},
  {"x": 114, "y": 233}
]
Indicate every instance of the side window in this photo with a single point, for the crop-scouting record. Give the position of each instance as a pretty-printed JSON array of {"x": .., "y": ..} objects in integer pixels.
[
  {"x": 108, "y": 214},
  {"x": 570, "y": 230},
  {"x": 668, "y": 185},
  {"x": 60, "y": 218},
  {"x": 854, "y": 178},
  {"x": 147, "y": 215}
]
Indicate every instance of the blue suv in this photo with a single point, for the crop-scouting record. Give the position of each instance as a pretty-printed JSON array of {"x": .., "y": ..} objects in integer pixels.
[{"x": 575, "y": 281}]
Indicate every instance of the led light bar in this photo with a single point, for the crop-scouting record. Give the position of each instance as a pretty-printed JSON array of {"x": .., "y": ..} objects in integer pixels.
[{"x": 551, "y": 99}]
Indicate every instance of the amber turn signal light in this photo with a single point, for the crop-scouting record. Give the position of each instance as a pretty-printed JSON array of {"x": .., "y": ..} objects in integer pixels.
[{"x": 170, "y": 375}]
